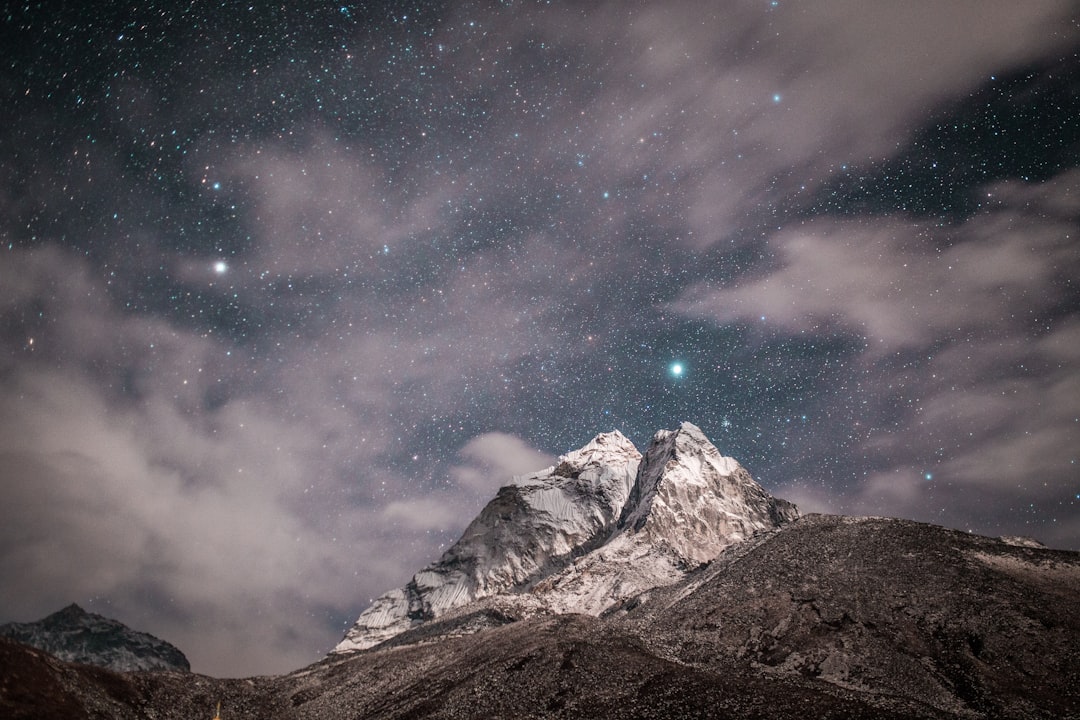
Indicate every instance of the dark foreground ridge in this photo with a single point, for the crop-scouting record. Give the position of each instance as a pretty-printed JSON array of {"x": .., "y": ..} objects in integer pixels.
[{"x": 829, "y": 617}]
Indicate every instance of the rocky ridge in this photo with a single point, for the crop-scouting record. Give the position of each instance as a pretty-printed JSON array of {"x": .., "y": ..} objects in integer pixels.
[
  {"x": 534, "y": 525},
  {"x": 74, "y": 635}
]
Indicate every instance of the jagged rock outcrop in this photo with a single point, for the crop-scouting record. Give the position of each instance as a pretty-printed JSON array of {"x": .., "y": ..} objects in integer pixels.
[
  {"x": 74, "y": 635},
  {"x": 693, "y": 501},
  {"x": 599, "y": 527}
]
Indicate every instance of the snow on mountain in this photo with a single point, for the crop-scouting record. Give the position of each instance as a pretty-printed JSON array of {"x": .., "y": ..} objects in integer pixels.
[
  {"x": 74, "y": 635},
  {"x": 603, "y": 525},
  {"x": 688, "y": 504},
  {"x": 693, "y": 501},
  {"x": 538, "y": 523}
]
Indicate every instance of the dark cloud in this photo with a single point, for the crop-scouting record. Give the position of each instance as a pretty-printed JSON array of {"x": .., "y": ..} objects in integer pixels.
[{"x": 286, "y": 294}]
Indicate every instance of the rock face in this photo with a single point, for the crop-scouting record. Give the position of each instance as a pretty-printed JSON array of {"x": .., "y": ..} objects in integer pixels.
[
  {"x": 602, "y": 525},
  {"x": 74, "y": 635},
  {"x": 687, "y": 505},
  {"x": 694, "y": 502},
  {"x": 964, "y": 625}
]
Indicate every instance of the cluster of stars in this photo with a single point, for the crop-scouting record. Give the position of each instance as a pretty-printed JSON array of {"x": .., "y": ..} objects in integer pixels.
[{"x": 388, "y": 229}]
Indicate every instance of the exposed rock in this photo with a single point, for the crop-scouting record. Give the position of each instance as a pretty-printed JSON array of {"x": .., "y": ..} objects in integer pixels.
[
  {"x": 888, "y": 608},
  {"x": 828, "y": 617},
  {"x": 687, "y": 505}
]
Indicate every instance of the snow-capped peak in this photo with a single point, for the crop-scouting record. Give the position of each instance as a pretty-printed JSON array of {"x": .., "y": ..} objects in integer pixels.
[
  {"x": 535, "y": 525},
  {"x": 598, "y": 527},
  {"x": 694, "y": 501}
]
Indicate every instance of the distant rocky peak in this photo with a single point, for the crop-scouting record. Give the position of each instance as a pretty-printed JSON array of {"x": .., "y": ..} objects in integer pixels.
[
  {"x": 75, "y": 635},
  {"x": 694, "y": 501},
  {"x": 673, "y": 456},
  {"x": 71, "y": 613}
]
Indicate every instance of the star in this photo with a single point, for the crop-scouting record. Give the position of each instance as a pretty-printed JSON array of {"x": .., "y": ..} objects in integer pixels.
[{"x": 440, "y": 251}]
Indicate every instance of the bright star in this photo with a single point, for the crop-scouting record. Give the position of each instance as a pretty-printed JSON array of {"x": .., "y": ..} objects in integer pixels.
[{"x": 676, "y": 369}]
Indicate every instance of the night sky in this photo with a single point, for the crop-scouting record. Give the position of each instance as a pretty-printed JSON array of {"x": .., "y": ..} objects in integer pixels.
[{"x": 287, "y": 292}]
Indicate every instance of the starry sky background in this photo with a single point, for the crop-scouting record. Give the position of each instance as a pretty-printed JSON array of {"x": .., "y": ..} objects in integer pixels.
[{"x": 286, "y": 292}]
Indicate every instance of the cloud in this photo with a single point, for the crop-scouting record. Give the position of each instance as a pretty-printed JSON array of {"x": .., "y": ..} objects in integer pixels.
[
  {"x": 493, "y": 459},
  {"x": 129, "y": 483},
  {"x": 91, "y": 511},
  {"x": 974, "y": 418},
  {"x": 321, "y": 209},
  {"x": 150, "y": 466},
  {"x": 421, "y": 513},
  {"x": 717, "y": 117},
  {"x": 903, "y": 284},
  {"x": 884, "y": 492}
]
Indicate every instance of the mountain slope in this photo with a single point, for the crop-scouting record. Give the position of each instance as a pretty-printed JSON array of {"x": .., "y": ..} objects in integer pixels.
[
  {"x": 687, "y": 505},
  {"x": 828, "y": 617},
  {"x": 78, "y": 636},
  {"x": 890, "y": 609}
]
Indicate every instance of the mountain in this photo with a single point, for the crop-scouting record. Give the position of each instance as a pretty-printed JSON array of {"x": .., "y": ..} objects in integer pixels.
[
  {"x": 828, "y": 617},
  {"x": 889, "y": 609},
  {"x": 663, "y": 585},
  {"x": 598, "y": 527},
  {"x": 77, "y": 636}
]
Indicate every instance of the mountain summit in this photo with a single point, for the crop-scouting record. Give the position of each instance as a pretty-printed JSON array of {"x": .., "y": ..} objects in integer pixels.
[
  {"x": 602, "y": 525},
  {"x": 693, "y": 501}
]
